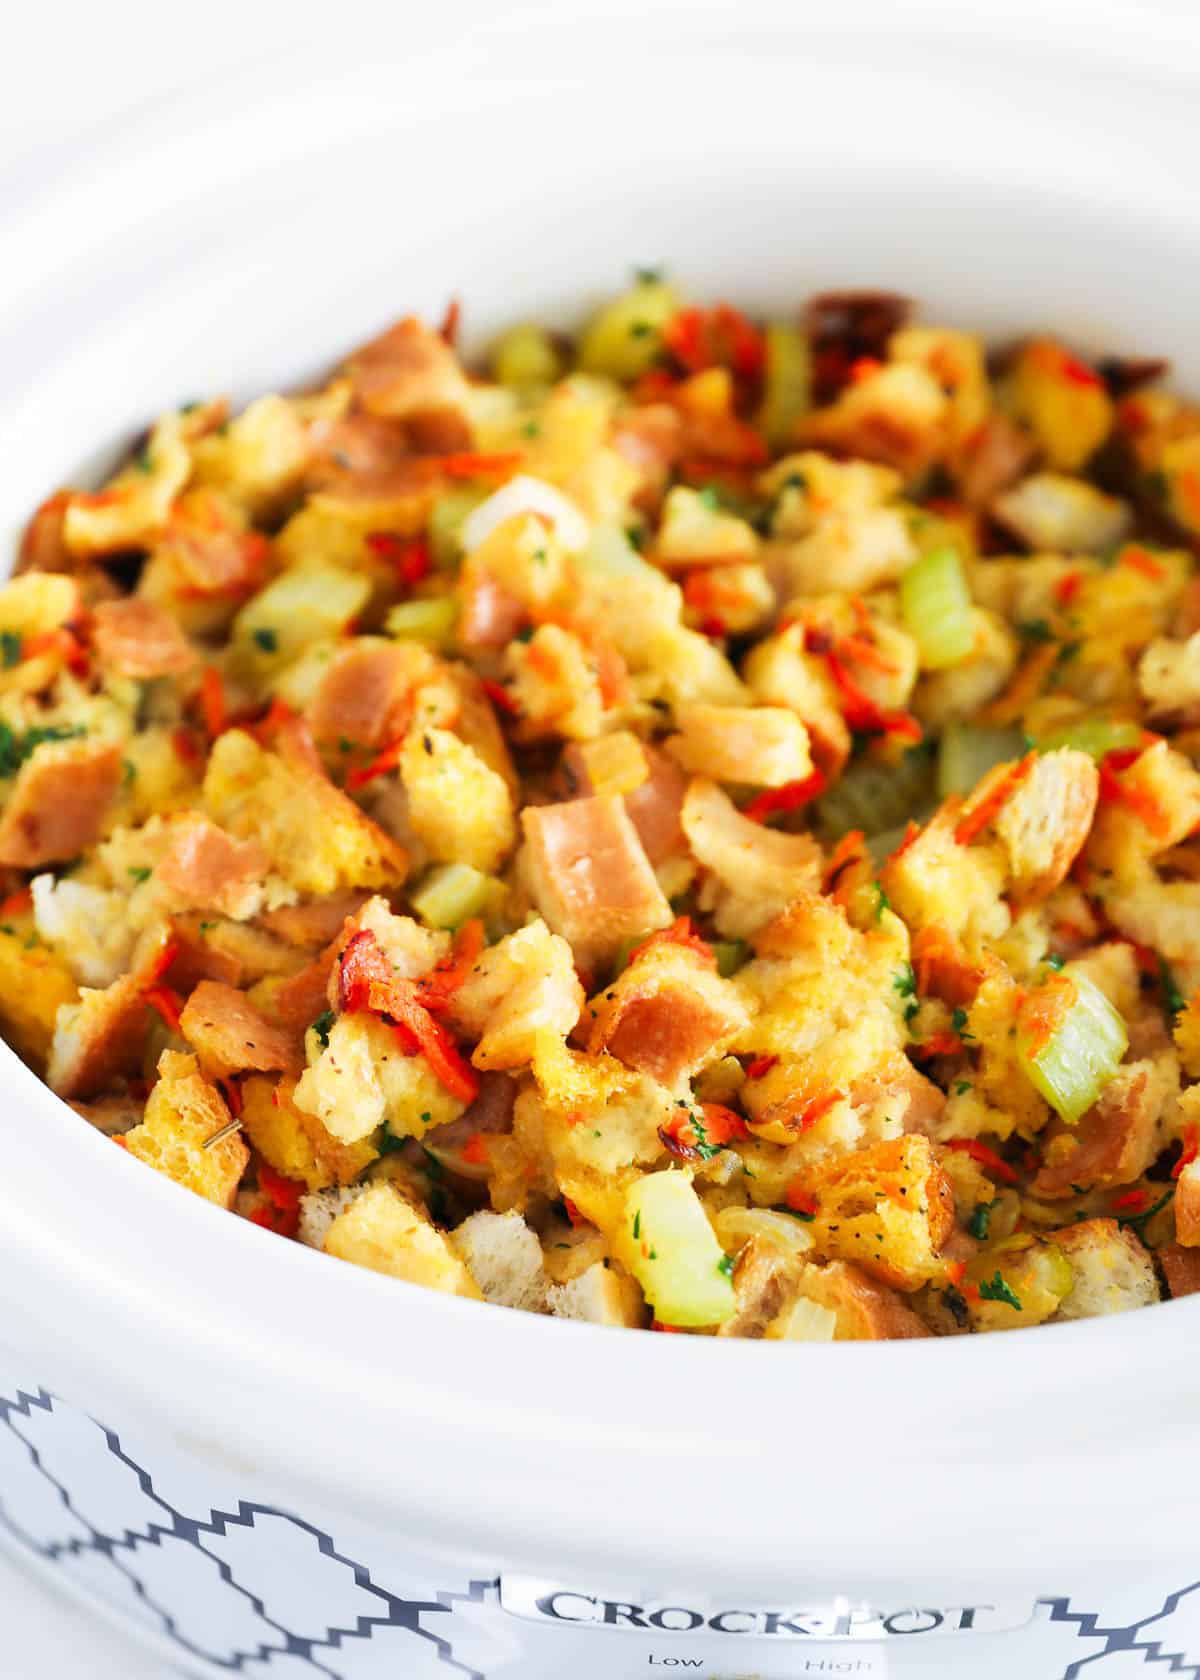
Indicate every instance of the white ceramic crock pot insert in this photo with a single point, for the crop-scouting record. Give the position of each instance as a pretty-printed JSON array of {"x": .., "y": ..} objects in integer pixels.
[{"x": 273, "y": 1465}]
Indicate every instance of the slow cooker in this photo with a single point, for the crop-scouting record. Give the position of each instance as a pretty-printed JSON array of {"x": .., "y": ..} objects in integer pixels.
[{"x": 266, "y": 1463}]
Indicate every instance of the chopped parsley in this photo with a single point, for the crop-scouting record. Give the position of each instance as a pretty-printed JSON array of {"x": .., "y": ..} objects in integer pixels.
[
  {"x": 882, "y": 902},
  {"x": 1035, "y": 630},
  {"x": 798, "y": 1213},
  {"x": 640, "y": 329},
  {"x": 140, "y": 871},
  {"x": 711, "y": 497},
  {"x": 980, "y": 1221},
  {"x": 1055, "y": 962},
  {"x": 959, "y": 1022},
  {"x": 1173, "y": 999},
  {"x": 704, "y": 1148},
  {"x": 648, "y": 276},
  {"x": 531, "y": 429},
  {"x": 388, "y": 1141},
  {"x": 961, "y": 1087},
  {"x": 904, "y": 981},
  {"x": 143, "y": 460},
  {"x": 128, "y": 772},
  {"x": 995, "y": 1289},
  {"x": 15, "y": 749},
  {"x": 1139, "y": 1221},
  {"x": 267, "y": 640},
  {"x": 637, "y": 1224},
  {"x": 725, "y": 1265},
  {"x": 10, "y": 649},
  {"x": 322, "y": 1025}
]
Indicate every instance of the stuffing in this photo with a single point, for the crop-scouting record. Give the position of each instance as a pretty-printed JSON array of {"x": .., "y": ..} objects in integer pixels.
[
  {"x": 754, "y": 872},
  {"x": 1045, "y": 821},
  {"x": 459, "y": 807},
  {"x": 1112, "y": 1270},
  {"x": 888, "y": 1208},
  {"x": 864, "y": 1310},
  {"x": 316, "y": 838},
  {"x": 1052, "y": 513},
  {"x": 667, "y": 1014},
  {"x": 766, "y": 746},
  {"x": 182, "y": 1112},
  {"x": 229, "y": 1035},
  {"x": 384, "y": 1232},
  {"x": 599, "y": 1295},
  {"x": 504, "y": 1258},
  {"x": 295, "y": 1143},
  {"x": 607, "y": 829},
  {"x": 589, "y": 875},
  {"x": 136, "y": 638},
  {"x": 519, "y": 988},
  {"x": 58, "y": 804}
]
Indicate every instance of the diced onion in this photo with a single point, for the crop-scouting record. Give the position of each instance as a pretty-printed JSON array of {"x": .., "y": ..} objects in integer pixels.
[
  {"x": 1080, "y": 1055},
  {"x": 524, "y": 494},
  {"x": 936, "y": 604}
]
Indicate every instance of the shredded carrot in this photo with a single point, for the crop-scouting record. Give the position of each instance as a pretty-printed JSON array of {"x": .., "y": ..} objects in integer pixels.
[
  {"x": 63, "y": 642},
  {"x": 984, "y": 810},
  {"x": 1044, "y": 1009},
  {"x": 956, "y": 1271},
  {"x": 680, "y": 932},
  {"x": 847, "y": 849},
  {"x": 213, "y": 706},
  {"x": 120, "y": 1143},
  {"x": 450, "y": 322},
  {"x": 790, "y": 797},
  {"x": 863, "y": 368},
  {"x": 380, "y": 765},
  {"x": 861, "y": 712},
  {"x": 1138, "y": 560},
  {"x": 467, "y": 465},
  {"x": 162, "y": 962},
  {"x": 276, "y": 715},
  {"x": 860, "y": 650},
  {"x": 720, "y": 337},
  {"x": 573, "y": 1213},
  {"x": 283, "y": 1199},
  {"x": 366, "y": 981},
  {"x": 1115, "y": 790},
  {"x": 937, "y": 1044},
  {"x": 474, "y": 1151},
  {"x": 1068, "y": 587},
  {"x": 721, "y": 1123},
  {"x": 499, "y": 696},
  {"x": 1188, "y": 486},
  {"x": 436, "y": 988},
  {"x": 409, "y": 555},
  {"x": 231, "y": 1090},
  {"x": 166, "y": 1002},
  {"x": 987, "y": 1158},
  {"x": 799, "y": 1199},
  {"x": 1191, "y": 1149},
  {"x": 16, "y": 904},
  {"x": 760, "y": 1066},
  {"x": 1078, "y": 373},
  {"x": 713, "y": 627},
  {"x": 187, "y": 748},
  {"x": 1025, "y": 685},
  {"x": 816, "y": 1110},
  {"x": 1133, "y": 1201}
]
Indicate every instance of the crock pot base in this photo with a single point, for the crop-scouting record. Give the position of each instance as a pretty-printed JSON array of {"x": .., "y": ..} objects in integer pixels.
[{"x": 219, "y": 1580}]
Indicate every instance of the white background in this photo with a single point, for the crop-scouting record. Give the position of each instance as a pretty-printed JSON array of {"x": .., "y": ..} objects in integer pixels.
[{"x": 67, "y": 69}]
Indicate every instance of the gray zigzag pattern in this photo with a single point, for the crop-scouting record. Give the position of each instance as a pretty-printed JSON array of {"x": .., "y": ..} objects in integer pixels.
[
  {"x": 1089, "y": 1625},
  {"x": 395, "y": 1611}
]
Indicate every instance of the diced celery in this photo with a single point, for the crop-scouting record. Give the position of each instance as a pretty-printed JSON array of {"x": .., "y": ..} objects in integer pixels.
[
  {"x": 1079, "y": 1057},
  {"x": 451, "y": 894},
  {"x": 625, "y": 338},
  {"x": 731, "y": 954},
  {"x": 967, "y": 751},
  {"x": 673, "y": 1252},
  {"x": 1095, "y": 735},
  {"x": 936, "y": 605},
  {"x": 788, "y": 390},
  {"x": 610, "y": 550},
  {"x": 430, "y": 620},
  {"x": 302, "y": 605},
  {"x": 525, "y": 356},
  {"x": 876, "y": 797},
  {"x": 446, "y": 521}
]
